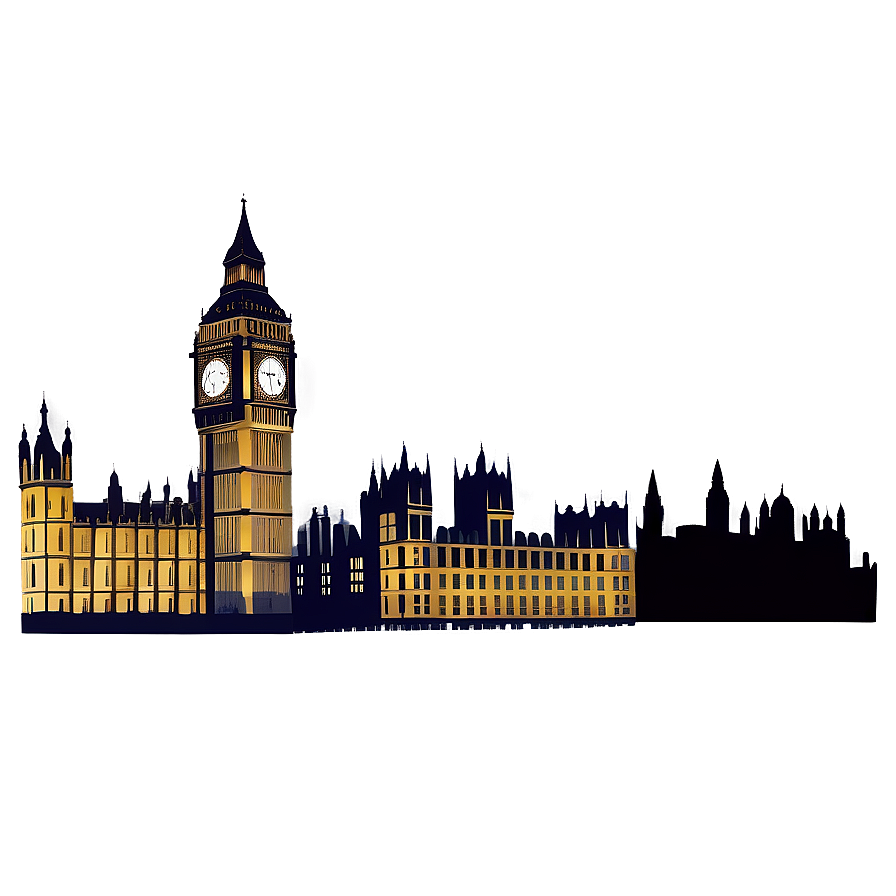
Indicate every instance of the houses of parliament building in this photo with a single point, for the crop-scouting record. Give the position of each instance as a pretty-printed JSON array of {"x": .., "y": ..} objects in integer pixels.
[{"x": 223, "y": 559}]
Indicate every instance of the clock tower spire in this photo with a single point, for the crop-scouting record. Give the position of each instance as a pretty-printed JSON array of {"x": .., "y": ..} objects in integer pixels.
[{"x": 244, "y": 407}]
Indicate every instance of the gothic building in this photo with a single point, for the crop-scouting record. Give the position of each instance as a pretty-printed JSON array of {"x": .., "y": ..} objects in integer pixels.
[
  {"x": 112, "y": 556},
  {"x": 480, "y": 572}
]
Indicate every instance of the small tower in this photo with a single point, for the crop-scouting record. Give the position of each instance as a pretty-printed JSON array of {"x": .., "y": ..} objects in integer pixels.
[
  {"x": 47, "y": 516},
  {"x": 653, "y": 510},
  {"x": 717, "y": 504},
  {"x": 745, "y": 520},
  {"x": 483, "y": 502}
]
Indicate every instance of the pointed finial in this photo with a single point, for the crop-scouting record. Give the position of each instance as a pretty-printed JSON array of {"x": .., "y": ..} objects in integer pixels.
[
  {"x": 243, "y": 200},
  {"x": 782, "y": 488}
]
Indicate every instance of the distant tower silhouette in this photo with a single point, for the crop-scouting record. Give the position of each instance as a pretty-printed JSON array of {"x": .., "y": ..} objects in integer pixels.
[
  {"x": 717, "y": 503},
  {"x": 653, "y": 510},
  {"x": 841, "y": 521},
  {"x": 745, "y": 520},
  {"x": 781, "y": 519},
  {"x": 763, "y": 527}
]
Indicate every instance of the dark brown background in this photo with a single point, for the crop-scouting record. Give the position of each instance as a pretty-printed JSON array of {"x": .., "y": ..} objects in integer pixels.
[{"x": 599, "y": 238}]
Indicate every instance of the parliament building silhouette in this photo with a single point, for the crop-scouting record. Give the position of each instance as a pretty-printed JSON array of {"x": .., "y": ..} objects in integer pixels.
[{"x": 223, "y": 560}]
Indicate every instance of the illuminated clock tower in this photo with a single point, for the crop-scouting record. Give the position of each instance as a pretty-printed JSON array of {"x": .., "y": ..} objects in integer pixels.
[{"x": 244, "y": 405}]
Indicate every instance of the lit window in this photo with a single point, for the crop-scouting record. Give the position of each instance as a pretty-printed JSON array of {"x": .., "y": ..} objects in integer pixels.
[{"x": 357, "y": 575}]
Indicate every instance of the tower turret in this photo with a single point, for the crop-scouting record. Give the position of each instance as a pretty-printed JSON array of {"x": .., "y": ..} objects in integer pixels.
[
  {"x": 653, "y": 509},
  {"x": 24, "y": 457},
  {"x": 47, "y": 462},
  {"x": 745, "y": 520},
  {"x": 717, "y": 504},
  {"x": 841, "y": 522},
  {"x": 67, "y": 453}
]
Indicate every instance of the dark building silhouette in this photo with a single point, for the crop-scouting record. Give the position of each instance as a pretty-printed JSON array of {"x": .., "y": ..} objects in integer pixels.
[{"x": 707, "y": 573}]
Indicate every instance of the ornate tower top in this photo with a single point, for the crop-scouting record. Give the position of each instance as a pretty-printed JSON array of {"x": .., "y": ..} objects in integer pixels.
[
  {"x": 244, "y": 248},
  {"x": 244, "y": 293}
]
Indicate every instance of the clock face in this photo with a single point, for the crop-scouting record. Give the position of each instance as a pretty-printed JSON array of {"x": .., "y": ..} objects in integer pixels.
[
  {"x": 271, "y": 377},
  {"x": 215, "y": 377}
]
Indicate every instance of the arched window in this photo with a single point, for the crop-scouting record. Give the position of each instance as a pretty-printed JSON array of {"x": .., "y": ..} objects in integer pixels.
[
  {"x": 190, "y": 575},
  {"x": 149, "y": 577},
  {"x": 170, "y": 575},
  {"x": 32, "y": 541},
  {"x": 63, "y": 505},
  {"x": 32, "y": 505},
  {"x": 60, "y": 539},
  {"x": 107, "y": 575},
  {"x": 61, "y": 574},
  {"x": 33, "y": 580}
]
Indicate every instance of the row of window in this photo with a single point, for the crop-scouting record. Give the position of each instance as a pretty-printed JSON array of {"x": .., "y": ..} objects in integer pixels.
[
  {"x": 620, "y": 583},
  {"x": 507, "y": 607},
  {"x": 84, "y": 541},
  {"x": 478, "y": 558},
  {"x": 85, "y": 576},
  {"x": 356, "y": 577}
]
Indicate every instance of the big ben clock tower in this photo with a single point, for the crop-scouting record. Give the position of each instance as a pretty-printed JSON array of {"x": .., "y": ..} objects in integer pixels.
[{"x": 244, "y": 405}]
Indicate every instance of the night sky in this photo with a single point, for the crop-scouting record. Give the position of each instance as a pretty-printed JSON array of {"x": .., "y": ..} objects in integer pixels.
[{"x": 599, "y": 238}]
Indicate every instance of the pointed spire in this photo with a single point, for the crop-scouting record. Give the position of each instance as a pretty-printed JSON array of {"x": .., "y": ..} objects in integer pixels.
[
  {"x": 508, "y": 466},
  {"x": 651, "y": 486},
  {"x": 717, "y": 475},
  {"x": 456, "y": 477},
  {"x": 371, "y": 488},
  {"x": 480, "y": 460},
  {"x": 47, "y": 461},
  {"x": 243, "y": 243},
  {"x": 585, "y": 506},
  {"x": 404, "y": 457}
]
